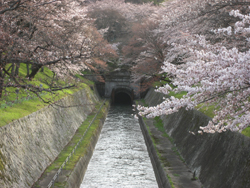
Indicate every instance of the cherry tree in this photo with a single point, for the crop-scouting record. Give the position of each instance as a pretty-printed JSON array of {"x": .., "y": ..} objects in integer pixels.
[
  {"x": 144, "y": 53},
  {"x": 52, "y": 33},
  {"x": 130, "y": 11},
  {"x": 212, "y": 74}
]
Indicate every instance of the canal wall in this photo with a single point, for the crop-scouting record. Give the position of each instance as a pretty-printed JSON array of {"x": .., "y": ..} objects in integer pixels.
[
  {"x": 218, "y": 160},
  {"x": 28, "y": 145},
  {"x": 160, "y": 173},
  {"x": 76, "y": 176}
]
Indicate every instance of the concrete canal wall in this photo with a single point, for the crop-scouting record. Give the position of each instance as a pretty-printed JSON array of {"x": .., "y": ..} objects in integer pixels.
[
  {"x": 218, "y": 160},
  {"x": 28, "y": 145}
]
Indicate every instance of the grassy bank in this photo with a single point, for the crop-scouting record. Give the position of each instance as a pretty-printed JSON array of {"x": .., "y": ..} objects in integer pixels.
[{"x": 15, "y": 105}]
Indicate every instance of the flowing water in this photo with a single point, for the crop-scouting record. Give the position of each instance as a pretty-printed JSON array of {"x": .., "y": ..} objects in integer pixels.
[{"x": 120, "y": 158}]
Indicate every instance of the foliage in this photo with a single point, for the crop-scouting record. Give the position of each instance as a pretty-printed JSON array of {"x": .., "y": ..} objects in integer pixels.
[
  {"x": 144, "y": 49},
  {"x": 213, "y": 73},
  {"x": 156, "y": 2},
  {"x": 109, "y": 21},
  {"x": 131, "y": 12},
  {"x": 56, "y": 34}
]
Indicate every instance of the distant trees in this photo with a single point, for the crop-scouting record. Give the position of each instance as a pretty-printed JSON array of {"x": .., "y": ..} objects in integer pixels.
[
  {"x": 212, "y": 68},
  {"x": 156, "y": 2},
  {"x": 144, "y": 50},
  {"x": 111, "y": 21},
  {"x": 131, "y": 27}
]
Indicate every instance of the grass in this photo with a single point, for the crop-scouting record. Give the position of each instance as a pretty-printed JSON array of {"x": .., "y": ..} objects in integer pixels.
[
  {"x": 207, "y": 110},
  {"x": 178, "y": 95},
  {"x": 163, "y": 160},
  {"x": 14, "y": 106},
  {"x": 82, "y": 149},
  {"x": 246, "y": 131},
  {"x": 159, "y": 125},
  {"x": 170, "y": 181}
]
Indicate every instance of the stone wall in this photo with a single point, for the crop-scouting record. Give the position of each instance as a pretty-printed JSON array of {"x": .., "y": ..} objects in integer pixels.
[
  {"x": 218, "y": 160},
  {"x": 28, "y": 145}
]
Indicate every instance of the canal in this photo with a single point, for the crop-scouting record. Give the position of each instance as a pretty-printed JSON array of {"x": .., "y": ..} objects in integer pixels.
[{"x": 120, "y": 158}]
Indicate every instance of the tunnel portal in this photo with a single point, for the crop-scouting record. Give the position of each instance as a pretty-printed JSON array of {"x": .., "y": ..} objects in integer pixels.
[
  {"x": 120, "y": 87},
  {"x": 122, "y": 96}
]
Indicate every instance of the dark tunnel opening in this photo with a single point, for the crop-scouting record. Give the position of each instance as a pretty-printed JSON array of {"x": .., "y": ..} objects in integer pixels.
[{"x": 122, "y": 98}]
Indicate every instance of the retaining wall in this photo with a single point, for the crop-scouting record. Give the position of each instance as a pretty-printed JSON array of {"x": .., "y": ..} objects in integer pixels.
[
  {"x": 219, "y": 160},
  {"x": 76, "y": 177},
  {"x": 160, "y": 174},
  {"x": 28, "y": 145}
]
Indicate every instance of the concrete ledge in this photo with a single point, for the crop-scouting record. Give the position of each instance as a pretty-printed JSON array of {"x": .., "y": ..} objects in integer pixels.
[
  {"x": 76, "y": 177},
  {"x": 160, "y": 174}
]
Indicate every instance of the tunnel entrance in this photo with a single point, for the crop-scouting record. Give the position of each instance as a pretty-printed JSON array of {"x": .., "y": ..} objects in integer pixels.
[{"x": 122, "y": 96}]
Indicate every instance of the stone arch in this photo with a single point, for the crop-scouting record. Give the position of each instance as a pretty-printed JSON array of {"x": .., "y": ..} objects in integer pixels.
[{"x": 122, "y": 91}]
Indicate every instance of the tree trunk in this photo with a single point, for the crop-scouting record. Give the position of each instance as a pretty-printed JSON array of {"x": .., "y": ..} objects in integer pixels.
[
  {"x": 28, "y": 70},
  {"x": 13, "y": 69},
  {"x": 17, "y": 69},
  {"x": 34, "y": 71},
  {"x": 1, "y": 83}
]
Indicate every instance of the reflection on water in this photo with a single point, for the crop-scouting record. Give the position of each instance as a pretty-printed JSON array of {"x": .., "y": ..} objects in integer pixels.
[{"x": 120, "y": 158}]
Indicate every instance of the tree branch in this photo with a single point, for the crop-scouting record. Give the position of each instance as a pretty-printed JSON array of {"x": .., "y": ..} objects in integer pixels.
[{"x": 14, "y": 6}]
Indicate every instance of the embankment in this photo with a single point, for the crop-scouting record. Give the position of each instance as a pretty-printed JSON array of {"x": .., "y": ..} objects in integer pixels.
[
  {"x": 218, "y": 160},
  {"x": 28, "y": 145}
]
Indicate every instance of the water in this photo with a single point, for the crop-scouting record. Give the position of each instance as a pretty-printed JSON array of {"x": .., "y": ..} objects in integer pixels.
[{"x": 120, "y": 158}]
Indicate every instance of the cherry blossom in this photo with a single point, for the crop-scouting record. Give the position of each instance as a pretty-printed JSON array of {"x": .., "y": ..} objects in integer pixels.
[
  {"x": 52, "y": 33},
  {"x": 211, "y": 74}
]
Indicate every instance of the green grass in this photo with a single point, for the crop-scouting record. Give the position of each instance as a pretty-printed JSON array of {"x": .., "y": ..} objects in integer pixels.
[
  {"x": 170, "y": 181},
  {"x": 13, "y": 106},
  {"x": 18, "y": 110},
  {"x": 159, "y": 125},
  {"x": 246, "y": 131},
  {"x": 177, "y": 95},
  {"x": 174, "y": 149},
  {"x": 207, "y": 110}
]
